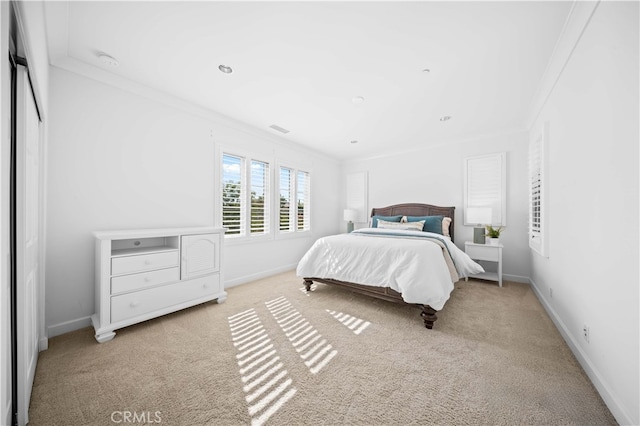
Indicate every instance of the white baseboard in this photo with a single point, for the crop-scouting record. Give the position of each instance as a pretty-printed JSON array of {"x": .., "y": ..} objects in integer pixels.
[
  {"x": 264, "y": 274},
  {"x": 68, "y": 326},
  {"x": 600, "y": 384},
  {"x": 516, "y": 278},
  {"x": 43, "y": 344}
]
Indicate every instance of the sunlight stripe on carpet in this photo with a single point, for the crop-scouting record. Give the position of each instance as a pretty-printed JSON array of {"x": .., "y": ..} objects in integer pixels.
[
  {"x": 314, "y": 351},
  {"x": 273, "y": 408},
  {"x": 261, "y": 371},
  {"x": 354, "y": 324}
]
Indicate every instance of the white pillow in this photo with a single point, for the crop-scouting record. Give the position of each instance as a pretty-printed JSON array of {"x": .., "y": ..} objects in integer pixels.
[
  {"x": 446, "y": 221},
  {"x": 408, "y": 226}
]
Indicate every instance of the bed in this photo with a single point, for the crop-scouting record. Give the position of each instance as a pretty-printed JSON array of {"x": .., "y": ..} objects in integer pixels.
[{"x": 416, "y": 266}]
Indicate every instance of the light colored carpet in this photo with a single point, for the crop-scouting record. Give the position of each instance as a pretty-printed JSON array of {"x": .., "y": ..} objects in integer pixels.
[{"x": 493, "y": 358}]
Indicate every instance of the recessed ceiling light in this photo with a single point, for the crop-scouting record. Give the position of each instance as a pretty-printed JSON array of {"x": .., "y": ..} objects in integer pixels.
[
  {"x": 426, "y": 70},
  {"x": 108, "y": 60},
  {"x": 354, "y": 141},
  {"x": 225, "y": 69},
  {"x": 445, "y": 118},
  {"x": 357, "y": 99}
]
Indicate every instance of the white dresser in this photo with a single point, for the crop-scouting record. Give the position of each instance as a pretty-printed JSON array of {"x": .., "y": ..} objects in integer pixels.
[{"x": 143, "y": 274}]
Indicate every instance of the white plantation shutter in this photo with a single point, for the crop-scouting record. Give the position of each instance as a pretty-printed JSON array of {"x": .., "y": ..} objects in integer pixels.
[
  {"x": 246, "y": 196},
  {"x": 537, "y": 240},
  {"x": 357, "y": 195},
  {"x": 260, "y": 196},
  {"x": 303, "y": 202},
  {"x": 484, "y": 182},
  {"x": 535, "y": 186},
  {"x": 286, "y": 198},
  {"x": 233, "y": 189},
  {"x": 294, "y": 213},
  {"x": 485, "y": 186}
]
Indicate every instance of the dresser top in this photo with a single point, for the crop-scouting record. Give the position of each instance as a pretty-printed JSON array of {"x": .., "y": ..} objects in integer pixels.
[{"x": 158, "y": 232}]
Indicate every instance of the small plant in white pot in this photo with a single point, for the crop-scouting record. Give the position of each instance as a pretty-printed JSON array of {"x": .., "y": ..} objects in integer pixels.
[{"x": 493, "y": 235}]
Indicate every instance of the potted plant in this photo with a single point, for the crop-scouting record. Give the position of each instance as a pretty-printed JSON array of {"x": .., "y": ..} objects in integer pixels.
[{"x": 493, "y": 235}]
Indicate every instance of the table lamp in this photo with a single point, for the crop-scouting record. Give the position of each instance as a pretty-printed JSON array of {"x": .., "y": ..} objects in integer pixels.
[
  {"x": 479, "y": 216},
  {"x": 350, "y": 215}
]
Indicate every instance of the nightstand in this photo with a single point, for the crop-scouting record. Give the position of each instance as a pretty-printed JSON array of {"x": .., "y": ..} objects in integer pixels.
[{"x": 491, "y": 253}]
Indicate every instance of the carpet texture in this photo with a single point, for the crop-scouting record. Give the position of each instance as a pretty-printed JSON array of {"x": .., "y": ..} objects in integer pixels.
[{"x": 273, "y": 354}]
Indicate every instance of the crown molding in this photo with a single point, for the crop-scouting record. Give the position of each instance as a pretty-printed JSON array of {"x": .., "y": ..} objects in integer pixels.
[
  {"x": 83, "y": 69},
  {"x": 577, "y": 21},
  {"x": 446, "y": 142}
]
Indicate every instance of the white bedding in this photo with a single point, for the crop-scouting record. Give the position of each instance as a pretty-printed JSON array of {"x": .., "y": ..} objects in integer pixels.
[{"x": 409, "y": 262}]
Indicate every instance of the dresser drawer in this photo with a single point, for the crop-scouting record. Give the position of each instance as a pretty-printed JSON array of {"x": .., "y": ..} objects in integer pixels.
[
  {"x": 486, "y": 252},
  {"x": 142, "y": 302},
  {"x": 132, "y": 282},
  {"x": 143, "y": 262}
]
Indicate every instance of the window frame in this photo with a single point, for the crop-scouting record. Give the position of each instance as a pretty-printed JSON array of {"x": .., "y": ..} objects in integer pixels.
[
  {"x": 248, "y": 159},
  {"x": 494, "y": 182},
  {"x": 306, "y": 221},
  {"x": 266, "y": 200},
  {"x": 241, "y": 197},
  {"x": 538, "y": 177},
  {"x": 293, "y": 206}
]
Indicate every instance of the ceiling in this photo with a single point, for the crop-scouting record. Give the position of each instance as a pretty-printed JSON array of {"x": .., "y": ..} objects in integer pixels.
[{"x": 298, "y": 65}]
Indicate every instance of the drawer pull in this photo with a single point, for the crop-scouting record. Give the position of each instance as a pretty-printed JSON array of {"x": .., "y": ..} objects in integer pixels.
[{"x": 134, "y": 304}]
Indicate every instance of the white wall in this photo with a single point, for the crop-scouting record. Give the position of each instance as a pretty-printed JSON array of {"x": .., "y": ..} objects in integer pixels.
[
  {"x": 435, "y": 176},
  {"x": 122, "y": 161},
  {"x": 593, "y": 206}
]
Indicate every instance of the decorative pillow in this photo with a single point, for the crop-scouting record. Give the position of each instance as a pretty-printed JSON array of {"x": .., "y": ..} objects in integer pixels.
[
  {"x": 407, "y": 226},
  {"x": 446, "y": 221},
  {"x": 431, "y": 223},
  {"x": 374, "y": 219}
]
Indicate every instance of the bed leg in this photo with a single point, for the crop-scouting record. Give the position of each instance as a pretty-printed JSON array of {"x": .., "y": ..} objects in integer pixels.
[
  {"x": 429, "y": 316},
  {"x": 307, "y": 284}
]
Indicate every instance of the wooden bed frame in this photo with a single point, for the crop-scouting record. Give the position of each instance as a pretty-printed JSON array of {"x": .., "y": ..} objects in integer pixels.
[{"x": 428, "y": 314}]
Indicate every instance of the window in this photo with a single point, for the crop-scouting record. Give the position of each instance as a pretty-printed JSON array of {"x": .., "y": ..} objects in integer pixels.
[
  {"x": 259, "y": 197},
  {"x": 295, "y": 200},
  {"x": 245, "y": 196},
  {"x": 302, "y": 185},
  {"x": 232, "y": 195},
  {"x": 285, "y": 198},
  {"x": 356, "y": 186},
  {"x": 485, "y": 189},
  {"x": 537, "y": 190}
]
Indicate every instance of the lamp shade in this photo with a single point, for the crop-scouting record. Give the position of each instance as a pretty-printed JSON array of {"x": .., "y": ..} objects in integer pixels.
[
  {"x": 479, "y": 215},
  {"x": 350, "y": 215}
]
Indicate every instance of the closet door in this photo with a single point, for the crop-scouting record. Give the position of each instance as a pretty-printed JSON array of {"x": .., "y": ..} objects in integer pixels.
[{"x": 27, "y": 241}]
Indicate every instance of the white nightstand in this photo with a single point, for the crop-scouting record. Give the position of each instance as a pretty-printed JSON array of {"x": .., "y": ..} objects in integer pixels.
[{"x": 491, "y": 253}]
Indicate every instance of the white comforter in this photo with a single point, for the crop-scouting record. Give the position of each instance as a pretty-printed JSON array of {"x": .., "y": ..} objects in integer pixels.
[{"x": 409, "y": 262}]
